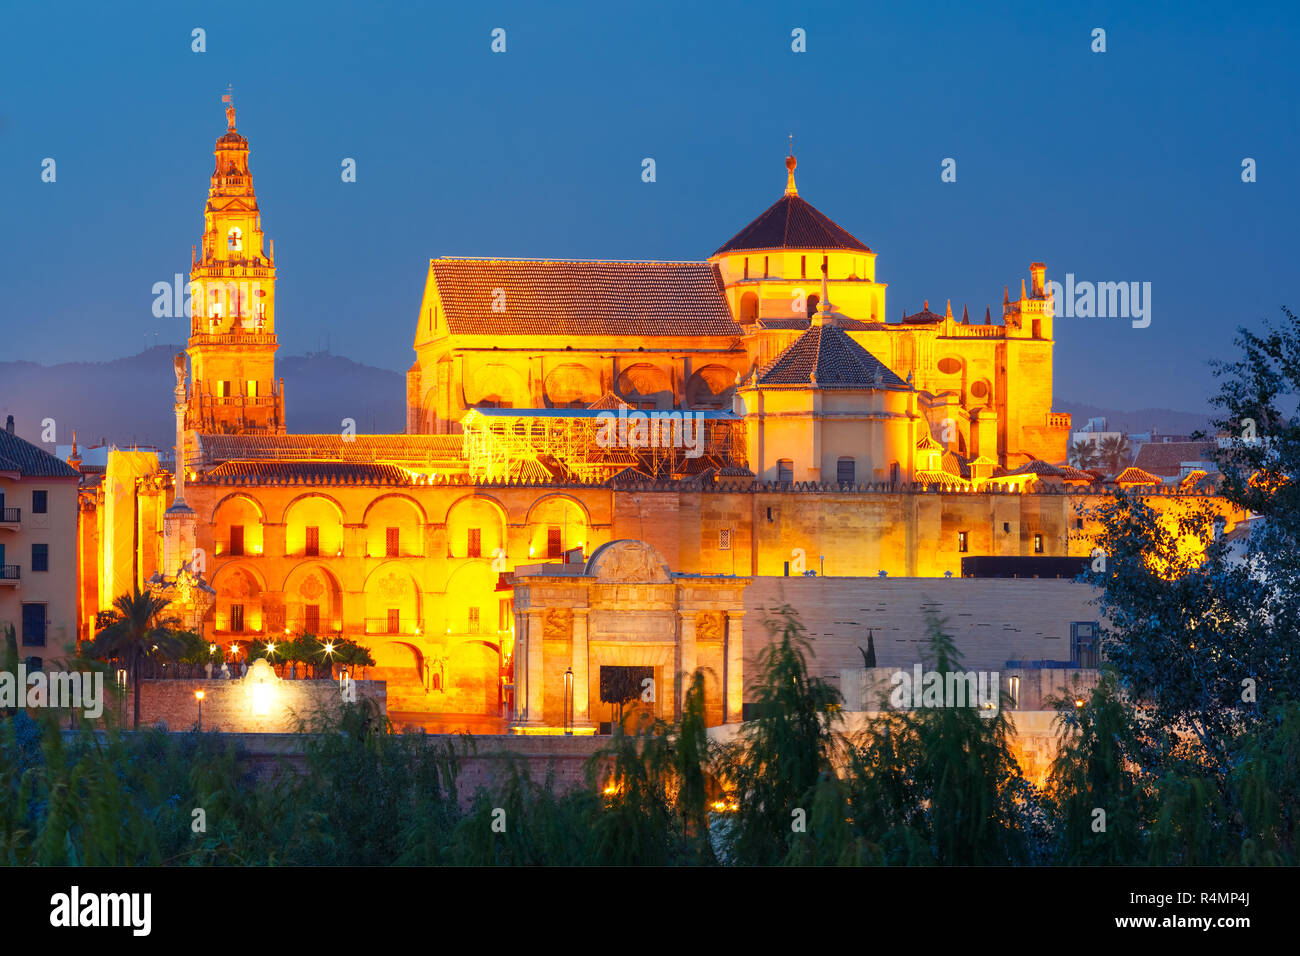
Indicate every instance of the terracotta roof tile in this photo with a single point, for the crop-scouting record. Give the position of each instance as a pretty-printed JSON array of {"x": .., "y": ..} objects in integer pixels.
[
  {"x": 1136, "y": 476},
  {"x": 792, "y": 223},
  {"x": 305, "y": 473},
  {"x": 835, "y": 359},
  {"x": 581, "y": 297},
  {"x": 17, "y": 454},
  {"x": 400, "y": 449},
  {"x": 1166, "y": 458}
]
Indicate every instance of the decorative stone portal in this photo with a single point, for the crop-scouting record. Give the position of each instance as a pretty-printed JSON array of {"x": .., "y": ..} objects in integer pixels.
[{"x": 625, "y": 617}]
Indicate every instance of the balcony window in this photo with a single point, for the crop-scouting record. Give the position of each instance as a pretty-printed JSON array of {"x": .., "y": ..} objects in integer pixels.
[
  {"x": 554, "y": 543},
  {"x": 237, "y": 618},
  {"x": 474, "y": 546},
  {"x": 311, "y": 619},
  {"x": 474, "y": 620},
  {"x": 392, "y": 542},
  {"x": 394, "y": 620},
  {"x": 311, "y": 547},
  {"x": 236, "y": 539}
]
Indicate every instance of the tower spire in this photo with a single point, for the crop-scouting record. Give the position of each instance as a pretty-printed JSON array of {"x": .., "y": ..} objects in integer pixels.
[
  {"x": 229, "y": 100},
  {"x": 790, "y": 163}
]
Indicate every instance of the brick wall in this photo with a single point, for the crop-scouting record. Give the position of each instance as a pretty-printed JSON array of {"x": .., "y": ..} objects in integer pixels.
[{"x": 228, "y": 705}]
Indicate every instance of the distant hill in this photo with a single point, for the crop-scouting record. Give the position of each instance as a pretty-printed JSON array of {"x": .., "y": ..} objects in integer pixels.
[
  {"x": 129, "y": 400},
  {"x": 1164, "y": 420}
]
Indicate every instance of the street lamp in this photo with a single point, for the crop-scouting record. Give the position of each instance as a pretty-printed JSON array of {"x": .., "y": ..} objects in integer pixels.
[
  {"x": 199, "y": 695},
  {"x": 568, "y": 701}
]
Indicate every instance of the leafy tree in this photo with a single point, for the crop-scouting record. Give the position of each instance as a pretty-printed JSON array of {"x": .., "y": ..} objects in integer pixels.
[
  {"x": 778, "y": 758},
  {"x": 941, "y": 784},
  {"x": 1097, "y": 767},
  {"x": 138, "y": 632}
]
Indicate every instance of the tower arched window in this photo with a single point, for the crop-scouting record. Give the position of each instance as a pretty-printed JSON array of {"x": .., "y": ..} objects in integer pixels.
[
  {"x": 813, "y": 302},
  {"x": 235, "y": 239}
]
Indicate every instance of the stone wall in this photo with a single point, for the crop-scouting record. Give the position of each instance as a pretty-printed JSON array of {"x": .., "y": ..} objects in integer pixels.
[
  {"x": 991, "y": 620},
  {"x": 230, "y": 705}
]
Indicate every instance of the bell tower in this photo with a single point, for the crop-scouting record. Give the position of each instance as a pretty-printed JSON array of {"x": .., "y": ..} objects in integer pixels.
[{"x": 232, "y": 342}]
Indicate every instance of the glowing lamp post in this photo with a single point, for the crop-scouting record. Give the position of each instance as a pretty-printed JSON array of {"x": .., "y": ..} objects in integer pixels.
[
  {"x": 568, "y": 701},
  {"x": 199, "y": 695}
]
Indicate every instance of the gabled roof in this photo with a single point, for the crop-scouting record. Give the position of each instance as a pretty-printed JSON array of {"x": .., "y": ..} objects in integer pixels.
[
  {"x": 1166, "y": 458},
  {"x": 792, "y": 223},
  {"x": 1048, "y": 470},
  {"x": 581, "y": 297},
  {"x": 826, "y": 357},
  {"x": 17, "y": 454},
  {"x": 1136, "y": 476}
]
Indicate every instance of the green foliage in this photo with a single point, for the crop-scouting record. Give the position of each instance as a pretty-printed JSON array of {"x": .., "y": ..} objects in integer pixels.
[
  {"x": 1097, "y": 768},
  {"x": 137, "y": 632},
  {"x": 778, "y": 758},
  {"x": 940, "y": 785}
]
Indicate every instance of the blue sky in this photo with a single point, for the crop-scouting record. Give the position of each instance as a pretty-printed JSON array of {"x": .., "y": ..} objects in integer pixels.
[{"x": 1115, "y": 166}]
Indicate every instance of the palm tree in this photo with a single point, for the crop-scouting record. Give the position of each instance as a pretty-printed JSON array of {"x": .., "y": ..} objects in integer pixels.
[
  {"x": 1083, "y": 454},
  {"x": 138, "y": 630},
  {"x": 1114, "y": 452}
]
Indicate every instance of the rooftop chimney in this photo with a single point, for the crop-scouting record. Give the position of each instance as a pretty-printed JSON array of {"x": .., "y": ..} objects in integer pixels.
[{"x": 9, "y": 424}]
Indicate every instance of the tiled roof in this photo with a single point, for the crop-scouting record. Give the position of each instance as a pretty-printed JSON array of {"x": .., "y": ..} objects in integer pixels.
[
  {"x": 924, "y": 317},
  {"x": 1136, "y": 476},
  {"x": 792, "y": 223},
  {"x": 581, "y": 297},
  {"x": 17, "y": 454},
  {"x": 304, "y": 473},
  {"x": 406, "y": 449},
  {"x": 1166, "y": 458},
  {"x": 837, "y": 361},
  {"x": 1048, "y": 470},
  {"x": 849, "y": 325}
]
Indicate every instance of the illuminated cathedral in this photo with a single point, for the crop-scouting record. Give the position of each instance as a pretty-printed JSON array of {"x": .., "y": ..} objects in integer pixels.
[{"x": 505, "y": 549}]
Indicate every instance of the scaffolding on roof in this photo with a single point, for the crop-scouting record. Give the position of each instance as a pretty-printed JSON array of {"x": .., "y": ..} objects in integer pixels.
[{"x": 591, "y": 445}]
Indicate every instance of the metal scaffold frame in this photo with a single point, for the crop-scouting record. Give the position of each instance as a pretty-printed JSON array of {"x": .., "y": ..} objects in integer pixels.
[{"x": 586, "y": 445}]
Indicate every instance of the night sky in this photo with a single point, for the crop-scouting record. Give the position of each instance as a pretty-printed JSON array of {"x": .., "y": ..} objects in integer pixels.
[{"x": 1116, "y": 166}]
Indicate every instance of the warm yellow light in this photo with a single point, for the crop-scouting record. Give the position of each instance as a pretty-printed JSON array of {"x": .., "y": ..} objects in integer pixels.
[
  {"x": 1078, "y": 702},
  {"x": 212, "y": 648},
  {"x": 270, "y": 648},
  {"x": 234, "y": 649},
  {"x": 329, "y": 648},
  {"x": 261, "y": 699},
  {"x": 199, "y": 695}
]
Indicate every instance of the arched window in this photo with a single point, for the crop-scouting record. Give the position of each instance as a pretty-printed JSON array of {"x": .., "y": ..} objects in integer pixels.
[
  {"x": 748, "y": 307},
  {"x": 813, "y": 300}
]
